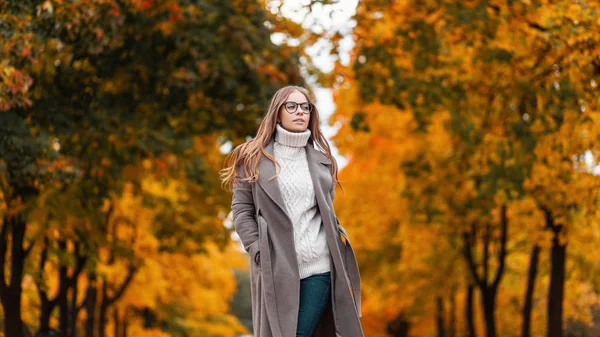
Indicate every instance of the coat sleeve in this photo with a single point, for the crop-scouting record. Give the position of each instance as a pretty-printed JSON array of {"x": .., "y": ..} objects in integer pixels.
[{"x": 242, "y": 207}]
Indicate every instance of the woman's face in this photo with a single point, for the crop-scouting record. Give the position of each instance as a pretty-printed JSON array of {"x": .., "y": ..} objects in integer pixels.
[{"x": 297, "y": 121}]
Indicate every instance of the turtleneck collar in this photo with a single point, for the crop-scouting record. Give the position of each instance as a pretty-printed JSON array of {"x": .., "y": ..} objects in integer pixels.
[{"x": 288, "y": 138}]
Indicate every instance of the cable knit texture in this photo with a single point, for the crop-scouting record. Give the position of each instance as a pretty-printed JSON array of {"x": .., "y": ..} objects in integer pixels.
[{"x": 298, "y": 194}]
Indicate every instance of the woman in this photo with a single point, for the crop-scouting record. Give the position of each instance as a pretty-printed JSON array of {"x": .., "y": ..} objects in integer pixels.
[{"x": 304, "y": 276}]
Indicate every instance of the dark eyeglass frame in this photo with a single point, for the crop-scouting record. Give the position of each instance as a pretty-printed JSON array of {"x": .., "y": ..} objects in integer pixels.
[{"x": 310, "y": 107}]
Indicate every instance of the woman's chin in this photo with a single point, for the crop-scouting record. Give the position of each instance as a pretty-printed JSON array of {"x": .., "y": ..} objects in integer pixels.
[{"x": 296, "y": 127}]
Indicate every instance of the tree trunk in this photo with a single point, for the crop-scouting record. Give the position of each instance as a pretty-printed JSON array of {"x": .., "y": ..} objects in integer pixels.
[
  {"x": 528, "y": 305},
  {"x": 556, "y": 290},
  {"x": 73, "y": 310},
  {"x": 63, "y": 303},
  {"x": 488, "y": 299},
  {"x": 103, "y": 310},
  {"x": 45, "y": 317},
  {"x": 441, "y": 329},
  {"x": 487, "y": 289},
  {"x": 117, "y": 326},
  {"x": 13, "y": 326},
  {"x": 90, "y": 305},
  {"x": 46, "y": 305},
  {"x": 469, "y": 311},
  {"x": 10, "y": 294}
]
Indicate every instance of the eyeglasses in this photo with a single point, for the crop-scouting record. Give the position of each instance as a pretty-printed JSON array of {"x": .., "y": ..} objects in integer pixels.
[{"x": 291, "y": 107}]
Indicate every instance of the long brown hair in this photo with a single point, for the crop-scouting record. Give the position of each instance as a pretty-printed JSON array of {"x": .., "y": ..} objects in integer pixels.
[{"x": 249, "y": 153}]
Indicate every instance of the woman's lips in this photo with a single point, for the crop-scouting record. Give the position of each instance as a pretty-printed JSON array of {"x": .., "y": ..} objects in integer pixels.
[{"x": 299, "y": 121}]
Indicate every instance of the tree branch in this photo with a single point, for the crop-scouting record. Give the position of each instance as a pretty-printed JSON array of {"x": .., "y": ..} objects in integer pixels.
[
  {"x": 470, "y": 260},
  {"x": 119, "y": 292},
  {"x": 537, "y": 26},
  {"x": 80, "y": 263},
  {"x": 27, "y": 250}
]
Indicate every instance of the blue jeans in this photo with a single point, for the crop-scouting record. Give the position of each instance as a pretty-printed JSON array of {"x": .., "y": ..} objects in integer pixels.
[{"x": 315, "y": 292}]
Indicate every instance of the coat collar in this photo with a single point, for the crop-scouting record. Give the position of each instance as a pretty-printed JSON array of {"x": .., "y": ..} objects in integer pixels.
[{"x": 267, "y": 169}]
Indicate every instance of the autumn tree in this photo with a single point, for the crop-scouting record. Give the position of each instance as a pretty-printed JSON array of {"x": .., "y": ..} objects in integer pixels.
[
  {"x": 89, "y": 91},
  {"x": 459, "y": 114}
]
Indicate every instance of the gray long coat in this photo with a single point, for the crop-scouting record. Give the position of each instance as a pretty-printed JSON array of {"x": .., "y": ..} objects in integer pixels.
[{"x": 265, "y": 229}]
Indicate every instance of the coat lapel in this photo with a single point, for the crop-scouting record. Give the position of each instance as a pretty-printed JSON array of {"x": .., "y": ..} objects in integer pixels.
[
  {"x": 314, "y": 155},
  {"x": 267, "y": 170},
  {"x": 320, "y": 174}
]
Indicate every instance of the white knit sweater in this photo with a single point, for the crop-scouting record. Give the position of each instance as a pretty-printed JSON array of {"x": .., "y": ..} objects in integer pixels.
[{"x": 298, "y": 194}]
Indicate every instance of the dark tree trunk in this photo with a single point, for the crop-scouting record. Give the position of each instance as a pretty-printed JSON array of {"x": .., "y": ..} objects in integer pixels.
[
  {"x": 62, "y": 298},
  {"x": 103, "y": 310},
  {"x": 556, "y": 291},
  {"x": 74, "y": 311},
  {"x": 45, "y": 317},
  {"x": 10, "y": 294},
  {"x": 45, "y": 306},
  {"x": 13, "y": 326},
  {"x": 90, "y": 305},
  {"x": 469, "y": 311},
  {"x": 528, "y": 305},
  {"x": 117, "y": 326},
  {"x": 488, "y": 299},
  {"x": 439, "y": 317},
  {"x": 557, "y": 283},
  {"x": 488, "y": 290}
]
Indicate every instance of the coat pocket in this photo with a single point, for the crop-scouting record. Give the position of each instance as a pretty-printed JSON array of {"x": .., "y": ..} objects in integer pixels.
[
  {"x": 255, "y": 284},
  {"x": 343, "y": 235},
  {"x": 254, "y": 252}
]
